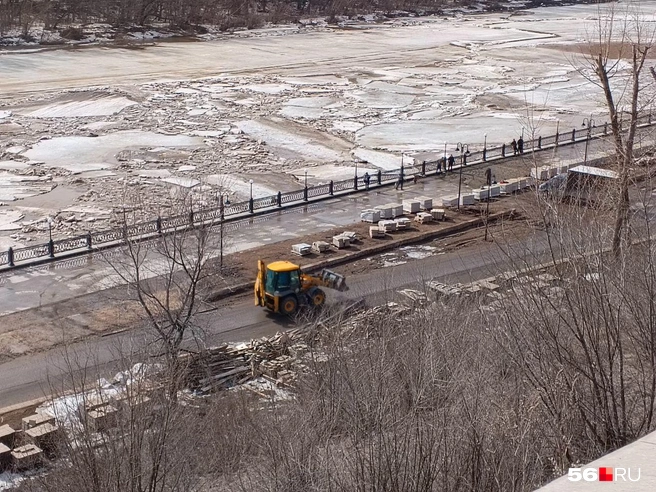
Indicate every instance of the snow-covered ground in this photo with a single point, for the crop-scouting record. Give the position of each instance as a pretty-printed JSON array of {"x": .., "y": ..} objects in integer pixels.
[{"x": 87, "y": 127}]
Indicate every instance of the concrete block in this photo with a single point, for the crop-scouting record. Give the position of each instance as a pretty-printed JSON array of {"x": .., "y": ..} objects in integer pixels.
[
  {"x": 375, "y": 232},
  {"x": 5, "y": 457},
  {"x": 450, "y": 201},
  {"x": 26, "y": 457},
  {"x": 402, "y": 222},
  {"x": 46, "y": 436},
  {"x": 425, "y": 202},
  {"x": 37, "y": 419},
  {"x": 541, "y": 173},
  {"x": 387, "y": 226},
  {"x": 397, "y": 209},
  {"x": 466, "y": 199},
  {"x": 411, "y": 206},
  {"x": 7, "y": 435},
  {"x": 341, "y": 241},
  {"x": 438, "y": 213},
  {"x": 301, "y": 249},
  {"x": 553, "y": 171},
  {"x": 385, "y": 211},
  {"x": 320, "y": 246},
  {"x": 371, "y": 215},
  {"x": 102, "y": 418},
  {"x": 509, "y": 186},
  {"x": 481, "y": 194},
  {"x": 423, "y": 217}
]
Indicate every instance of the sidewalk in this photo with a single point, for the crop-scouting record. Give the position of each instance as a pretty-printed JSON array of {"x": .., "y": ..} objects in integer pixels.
[{"x": 56, "y": 281}]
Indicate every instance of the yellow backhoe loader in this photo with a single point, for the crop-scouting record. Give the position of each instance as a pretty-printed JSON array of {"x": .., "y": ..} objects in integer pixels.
[{"x": 282, "y": 287}]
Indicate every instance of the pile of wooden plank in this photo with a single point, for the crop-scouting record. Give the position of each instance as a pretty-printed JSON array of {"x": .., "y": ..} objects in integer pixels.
[{"x": 228, "y": 365}]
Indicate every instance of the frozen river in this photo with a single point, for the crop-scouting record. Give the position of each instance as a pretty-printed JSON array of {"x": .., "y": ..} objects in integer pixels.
[{"x": 269, "y": 105}]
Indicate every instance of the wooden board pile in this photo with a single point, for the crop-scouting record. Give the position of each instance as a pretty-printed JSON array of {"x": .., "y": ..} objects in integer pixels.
[{"x": 225, "y": 366}]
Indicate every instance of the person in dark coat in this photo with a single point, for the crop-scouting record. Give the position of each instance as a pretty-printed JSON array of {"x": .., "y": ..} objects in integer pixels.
[
  {"x": 441, "y": 161},
  {"x": 520, "y": 145},
  {"x": 514, "y": 146},
  {"x": 452, "y": 161},
  {"x": 366, "y": 178}
]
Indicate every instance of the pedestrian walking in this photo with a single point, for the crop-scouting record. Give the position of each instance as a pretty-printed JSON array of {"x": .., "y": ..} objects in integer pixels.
[
  {"x": 441, "y": 161},
  {"x": 514, "y": 146},
  {"x": 366, "y": 178},
  {"x": 452, "y": 161},
  {"x": 520, "y": 145}
]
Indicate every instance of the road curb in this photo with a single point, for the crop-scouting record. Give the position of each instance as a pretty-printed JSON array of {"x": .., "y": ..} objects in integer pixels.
[{"x": 447, "y": 231}]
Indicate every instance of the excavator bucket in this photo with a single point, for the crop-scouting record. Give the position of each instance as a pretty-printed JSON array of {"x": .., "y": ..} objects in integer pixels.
[{"x": 334, "y": 280}]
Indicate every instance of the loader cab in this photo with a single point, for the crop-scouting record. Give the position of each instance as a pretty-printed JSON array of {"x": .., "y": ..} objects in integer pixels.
[{"x": 282, "y": 278}]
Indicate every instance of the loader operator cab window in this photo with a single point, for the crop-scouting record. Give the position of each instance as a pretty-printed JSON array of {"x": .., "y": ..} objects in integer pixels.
[{"x": 282, "y": 281}]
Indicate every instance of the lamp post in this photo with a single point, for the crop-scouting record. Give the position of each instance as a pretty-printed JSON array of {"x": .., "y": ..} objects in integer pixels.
[
  {"x": 589, "y": 122},
  {"x": 445, "y": 156},
  {"x": 355, "y": 178},
  {"x": 484, "y": 147},
  {"x": 461, "y": 147},
  {"x": 250, "y": 201}
]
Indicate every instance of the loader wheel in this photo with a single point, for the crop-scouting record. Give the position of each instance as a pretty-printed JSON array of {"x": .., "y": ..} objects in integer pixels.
[
  {"x": 318, "y": 298},
  {"x": 288, "y": 305}
]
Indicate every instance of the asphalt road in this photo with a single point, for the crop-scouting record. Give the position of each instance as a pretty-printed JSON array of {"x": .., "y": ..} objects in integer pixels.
[{"x": 236, "y": 319}]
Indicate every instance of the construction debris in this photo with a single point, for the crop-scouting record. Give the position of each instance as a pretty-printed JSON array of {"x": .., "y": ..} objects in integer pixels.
[
  {"x": 301, "y": 249},
  {"x": 320, "y": 246},
  {"x": 423, "y": 218}
]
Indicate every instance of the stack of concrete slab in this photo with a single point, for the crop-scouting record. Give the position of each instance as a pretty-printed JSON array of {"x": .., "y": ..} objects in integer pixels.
[
  {"x": 102, "y": 418},
  {"x": 450, "y": 201},
  {"x": 438, "y": 214},
  {"x": 509, "y": 186},
  {"x": 466, "y": 199},
  {"x": 7, "y": 435},
  {"x": 26, "y": 457},
  {"x": 37, "y": 419},
  {"x": 375, "y": 232},
  {"x": 425, "y": 202},
  {"x": 385, "y": 211},
  {"x": 46, "y": 436},
  {"x": 387, "y": 226},
  {"x": 423, "y": 217},
  {"x": 397, "y": 209},
  {"x": 301, "y": 249},
  {"x": 370, "y": 215},
  {"x": 320, "y": 246},
  {"x": 5, "y": 457},
  {"x": 411, "y": 206},
  {"x": 402, "y": 223},
  {"x": 341, "y": 241},
  {"x": 351, "y": 235},
  {"x": 542, "y": 173}
]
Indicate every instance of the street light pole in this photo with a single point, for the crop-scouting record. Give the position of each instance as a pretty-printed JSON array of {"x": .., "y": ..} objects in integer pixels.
[
  {"x": 305, "y": 190},
  {"x": 445, "y": 157},
  {"x": 589, "y": 122},
  {"x": 355, "y": 178},
  {"x": 484, "y": 147},
  {"x": 221, "y": 218},
  {"x": 461, "y": 147}
]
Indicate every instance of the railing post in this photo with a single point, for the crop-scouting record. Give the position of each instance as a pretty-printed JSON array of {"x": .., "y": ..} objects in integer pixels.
[
  {"x": 573, "y": 134},
  {"x": 51, "y": 248},
  {"x": 355, "y": 182},
  {"x": 503, "y": 150},
  {"x": 305, "y": 194},
  {"x": 250, "y": 205},
  {"x": 484, "y": 154},
  {"x": 10, "y": 257},
  {"x": 380, "y": 177},
  {"x": 330, "y": 188},
  {"x": 279, "y": 199},
  {"x": 539, "y": 142},
  {"x": 423, "y": 168},
  {"x": 88, "y": 239},
  {"x": 158, "y": 225}
]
